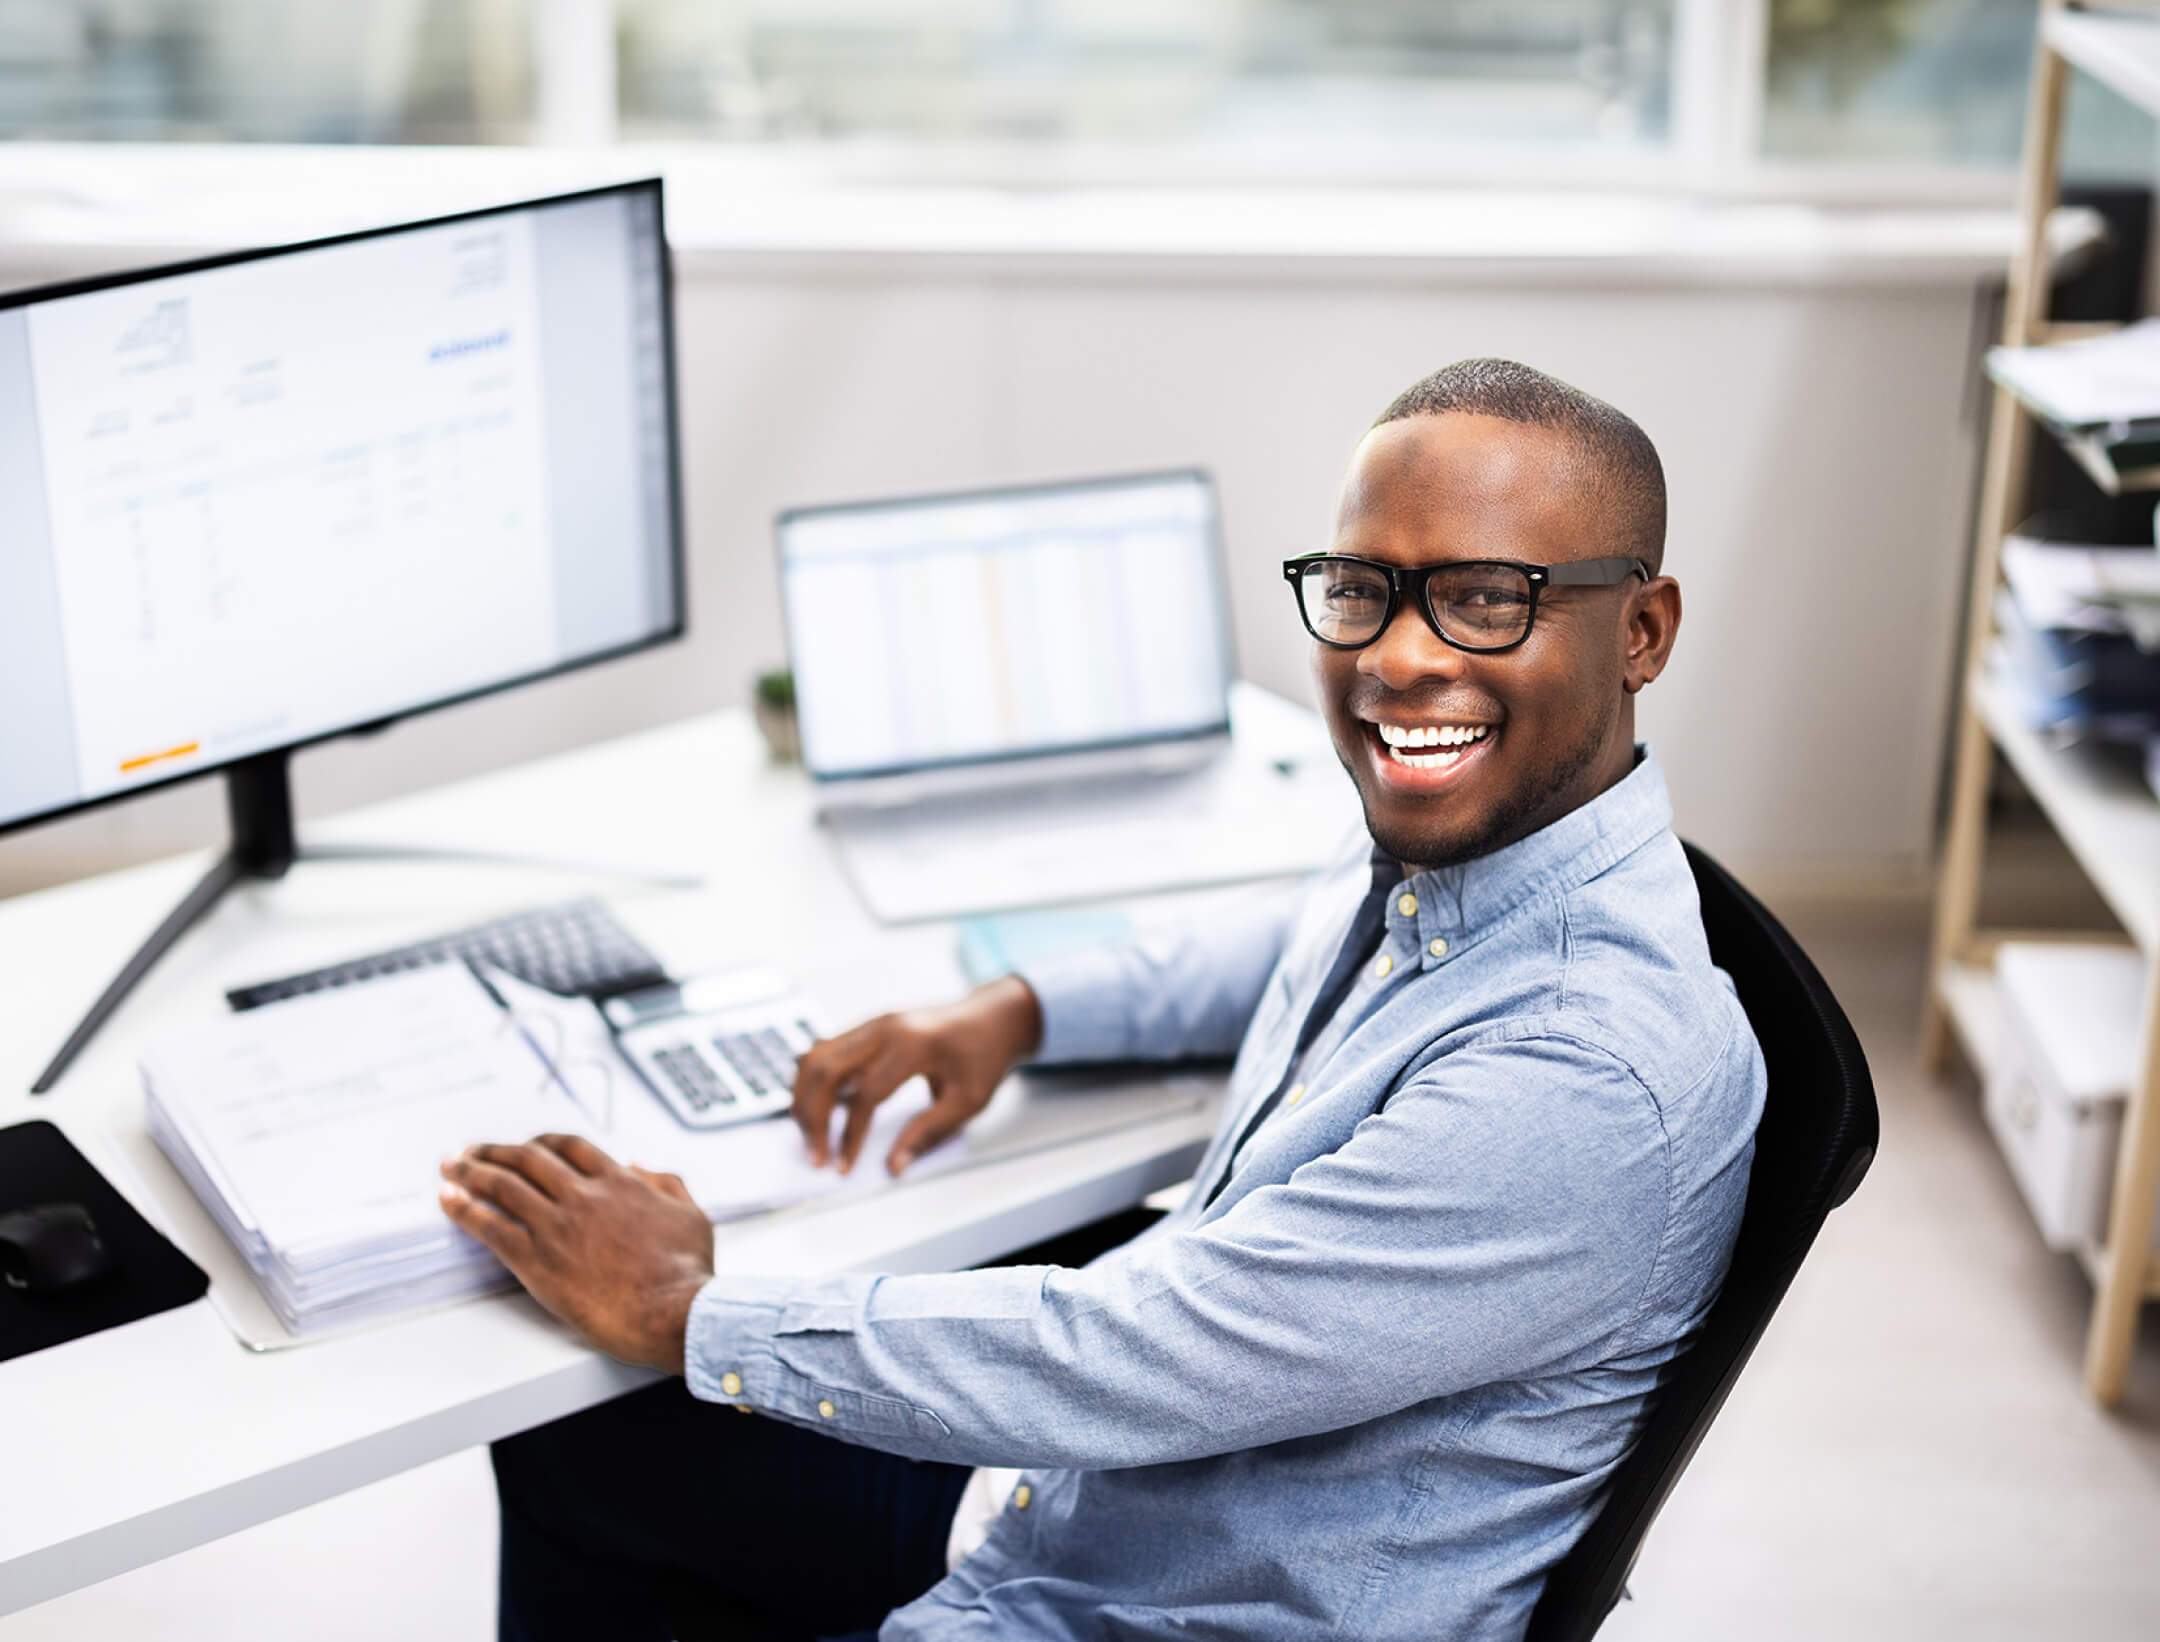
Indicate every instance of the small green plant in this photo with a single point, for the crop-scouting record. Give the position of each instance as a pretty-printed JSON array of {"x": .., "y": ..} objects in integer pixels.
[{"x": 777, "y": 689}]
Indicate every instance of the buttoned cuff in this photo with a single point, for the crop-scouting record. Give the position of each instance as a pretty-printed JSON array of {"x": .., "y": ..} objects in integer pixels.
[
  {"x": 727, "y": 1349},
  {"x": 1085, "y": 1016},
  {"x": 736, "y": 1351}
]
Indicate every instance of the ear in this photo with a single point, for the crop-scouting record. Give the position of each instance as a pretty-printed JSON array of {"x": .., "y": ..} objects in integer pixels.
[{"x": 1653, "y": 622}]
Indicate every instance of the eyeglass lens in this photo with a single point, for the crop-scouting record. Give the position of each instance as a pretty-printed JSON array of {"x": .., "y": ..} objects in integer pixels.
[{"x": 1479, "y": 605}]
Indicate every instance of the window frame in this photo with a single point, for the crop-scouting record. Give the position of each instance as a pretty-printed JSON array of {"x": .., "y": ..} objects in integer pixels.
[{"x": 1712, "y": 149}]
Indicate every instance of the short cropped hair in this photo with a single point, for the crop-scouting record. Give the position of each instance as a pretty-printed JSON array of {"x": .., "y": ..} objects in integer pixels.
[{"x": 1619, "y": 461}]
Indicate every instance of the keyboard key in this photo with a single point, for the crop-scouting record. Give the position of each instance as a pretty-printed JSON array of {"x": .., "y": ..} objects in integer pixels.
[{"x": 577, "y": 947}]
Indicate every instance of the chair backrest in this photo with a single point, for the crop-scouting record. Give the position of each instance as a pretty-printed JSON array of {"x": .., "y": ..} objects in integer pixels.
[{"x": 1815, "y": 1142}]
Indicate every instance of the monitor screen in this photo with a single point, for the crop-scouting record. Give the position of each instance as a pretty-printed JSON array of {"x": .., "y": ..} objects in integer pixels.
[
  {"x": 252, "y": 502},
  {"x": 952, "y": 629}
]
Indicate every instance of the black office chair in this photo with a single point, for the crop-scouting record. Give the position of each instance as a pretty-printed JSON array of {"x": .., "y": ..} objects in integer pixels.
[{"x": 1816, "y": 1141}]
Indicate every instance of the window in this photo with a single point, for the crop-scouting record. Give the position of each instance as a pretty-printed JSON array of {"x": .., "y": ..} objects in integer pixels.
[
  {"x": 1746, "y": 91},
  {"x": 1230, "y": 75},
  {"x": 353, "y": 71},
  {"x": 1926, "y": 83}
]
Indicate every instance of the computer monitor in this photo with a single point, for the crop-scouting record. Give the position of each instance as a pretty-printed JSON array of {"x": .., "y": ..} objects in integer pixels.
[
  {"x": 259, "y": 500},
  {"x": 994, "y": 625}
]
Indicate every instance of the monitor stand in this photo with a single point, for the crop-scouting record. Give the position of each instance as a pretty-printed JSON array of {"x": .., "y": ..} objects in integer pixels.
[{"x": 258, "y": 796}]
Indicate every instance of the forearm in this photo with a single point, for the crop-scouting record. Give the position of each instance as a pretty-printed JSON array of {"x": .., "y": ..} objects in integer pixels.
[
  {"x": 990, "y": 1367},
  {"x": 1174, "y": 995},
  {"x": 1379, "y": 1275}
]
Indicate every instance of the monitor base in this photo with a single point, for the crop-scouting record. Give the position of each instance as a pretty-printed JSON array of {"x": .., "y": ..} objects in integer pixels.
[{"x": 258, "y": 798}]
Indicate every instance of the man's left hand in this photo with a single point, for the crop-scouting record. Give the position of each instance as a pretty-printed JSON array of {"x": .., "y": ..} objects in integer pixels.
[{"x": 617, "y": 1253}]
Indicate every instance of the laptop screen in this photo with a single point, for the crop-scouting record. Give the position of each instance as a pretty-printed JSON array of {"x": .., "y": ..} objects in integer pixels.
[{"x": 960, "y": 629}]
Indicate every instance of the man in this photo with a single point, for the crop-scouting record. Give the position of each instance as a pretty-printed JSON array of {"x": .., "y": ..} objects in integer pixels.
[{"x": 1480, "y": 1167}]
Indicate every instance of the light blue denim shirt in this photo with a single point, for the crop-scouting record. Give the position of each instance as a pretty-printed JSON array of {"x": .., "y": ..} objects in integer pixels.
[{"x": 1370, "y": 1382}]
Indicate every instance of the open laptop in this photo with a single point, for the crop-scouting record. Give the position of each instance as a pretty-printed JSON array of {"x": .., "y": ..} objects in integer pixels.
[{"x": 1023, "y": 696}]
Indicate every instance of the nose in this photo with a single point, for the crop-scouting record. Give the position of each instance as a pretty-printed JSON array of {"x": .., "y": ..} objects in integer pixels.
[{"x": 1408, "y": 652}]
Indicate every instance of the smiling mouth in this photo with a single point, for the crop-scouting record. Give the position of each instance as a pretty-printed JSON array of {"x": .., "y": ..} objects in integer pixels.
[{"x": 1430, "y": 746}]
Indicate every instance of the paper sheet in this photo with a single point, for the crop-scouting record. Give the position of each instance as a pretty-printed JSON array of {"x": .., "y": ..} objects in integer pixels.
[
  {"x": 310, "y": 1131},
  {"x": 2087, "y": 383}
]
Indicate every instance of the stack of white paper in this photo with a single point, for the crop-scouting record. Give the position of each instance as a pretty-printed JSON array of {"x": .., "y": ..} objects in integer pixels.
[
  {"x": 312, "y": 1130},
  {"x": 2094, "y": 382},
  {"x": 2072, "y": 586}
]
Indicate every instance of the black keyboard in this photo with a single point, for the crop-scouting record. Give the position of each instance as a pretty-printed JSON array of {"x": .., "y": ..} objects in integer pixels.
[{"x": 577, "y": 947}]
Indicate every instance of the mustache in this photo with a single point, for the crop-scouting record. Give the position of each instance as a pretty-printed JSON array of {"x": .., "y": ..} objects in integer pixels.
[{"x": 1416, "y": 704}]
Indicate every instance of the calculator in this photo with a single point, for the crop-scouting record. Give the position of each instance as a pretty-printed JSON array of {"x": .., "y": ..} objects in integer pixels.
[{"x": 713, "y": 1067}]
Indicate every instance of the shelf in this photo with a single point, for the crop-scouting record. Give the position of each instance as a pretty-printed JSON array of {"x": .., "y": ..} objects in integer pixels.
[
  {"x": 2101, "y": 809},
  {"x": 2091, "y": 1256},
  {"x": 2087, "y": 450},
  {"x": 1971, "y": 995},
  {"x": 1973, "y": 998},
  {"x": 2119, "y": 49}
]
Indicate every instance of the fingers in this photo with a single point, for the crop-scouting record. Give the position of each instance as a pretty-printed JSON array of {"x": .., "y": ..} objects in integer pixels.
[
  {"x": 670, "y": 1184},
  {"x": 545, "y": 1169},
  {"x": 895, "y": 1063},
  {"x": 580, "y": 1153},
  {"x": 487, "y": 1225},
  {"x": 823, "y": 1072},
  {"x": 505, "y": 1190},
  {"x": 932, "y": 1126}
]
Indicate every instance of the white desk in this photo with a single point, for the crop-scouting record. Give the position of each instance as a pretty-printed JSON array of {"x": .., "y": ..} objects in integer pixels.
[{"x": 145, "y": 1440}]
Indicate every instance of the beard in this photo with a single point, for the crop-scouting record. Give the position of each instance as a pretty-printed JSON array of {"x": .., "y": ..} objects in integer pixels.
[{"x": 1536, "y": 804}]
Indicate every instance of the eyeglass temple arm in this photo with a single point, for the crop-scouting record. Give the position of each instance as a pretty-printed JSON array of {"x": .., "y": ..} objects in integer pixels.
[{"x": 1595, "y": 572}]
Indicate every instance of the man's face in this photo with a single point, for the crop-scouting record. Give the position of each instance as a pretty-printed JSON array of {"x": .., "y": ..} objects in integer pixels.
[{"x": 1542, "y": 728}]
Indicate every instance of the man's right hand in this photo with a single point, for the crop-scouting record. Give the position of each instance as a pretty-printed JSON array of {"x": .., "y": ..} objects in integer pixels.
[{"x": 963, "y": 1049}]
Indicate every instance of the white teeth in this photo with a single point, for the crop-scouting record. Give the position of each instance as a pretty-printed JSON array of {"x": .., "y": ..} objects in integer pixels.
[
  {"x": 1433, "y": 735},
  {"x": 1425, "y": 761}
]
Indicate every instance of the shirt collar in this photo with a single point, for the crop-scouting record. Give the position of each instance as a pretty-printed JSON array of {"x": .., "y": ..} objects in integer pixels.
[{"x": 1457, "y": 905}]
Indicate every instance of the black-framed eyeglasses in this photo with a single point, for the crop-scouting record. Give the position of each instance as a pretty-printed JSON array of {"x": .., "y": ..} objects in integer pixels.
[{"x": 1473, "y": 604}]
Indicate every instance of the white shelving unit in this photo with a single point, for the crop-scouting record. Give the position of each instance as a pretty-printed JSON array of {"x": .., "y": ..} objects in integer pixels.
[
  {"x": 2106, "y": 816},
  {"x": 2119, "y": 48}
]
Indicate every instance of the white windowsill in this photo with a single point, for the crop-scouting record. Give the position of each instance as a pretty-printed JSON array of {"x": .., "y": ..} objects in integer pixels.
[{"x": 67, "y": 209}]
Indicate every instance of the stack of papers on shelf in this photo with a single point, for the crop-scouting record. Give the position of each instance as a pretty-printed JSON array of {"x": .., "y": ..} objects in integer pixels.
[
  {"x": 2087, "y": 589},
  {"x": 2077, "y": 653},
  {"x": 2092, "y": 382},
  {"x": 2101, "y": 393}
]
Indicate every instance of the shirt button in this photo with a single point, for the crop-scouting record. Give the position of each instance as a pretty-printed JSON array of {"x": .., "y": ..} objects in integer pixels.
[
  {"x": 1406, "y": 904},
  {"x": 731, "y": 1383},
  {"x": 1297, "y": 1093},
  {"x": 1438, "y": 948},
  {"x": 825, "y": 1409},
  {"x": 1021, "y": 1496},
  {"x": 1382, "y": 965}
]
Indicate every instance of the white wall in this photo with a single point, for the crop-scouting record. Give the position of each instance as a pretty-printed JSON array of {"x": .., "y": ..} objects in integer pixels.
[{"x": 1810, "y": 429}]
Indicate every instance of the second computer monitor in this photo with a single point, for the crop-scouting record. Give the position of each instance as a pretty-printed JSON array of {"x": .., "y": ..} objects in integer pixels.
[{"x": 999, "y": 624}]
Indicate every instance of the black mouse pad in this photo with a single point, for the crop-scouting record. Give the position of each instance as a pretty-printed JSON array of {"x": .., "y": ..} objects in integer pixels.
[{"x": 148, "y": 1275}]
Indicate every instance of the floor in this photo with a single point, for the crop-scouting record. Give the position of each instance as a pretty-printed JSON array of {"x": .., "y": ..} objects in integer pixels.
[{"x": 1910, "y": 1455}]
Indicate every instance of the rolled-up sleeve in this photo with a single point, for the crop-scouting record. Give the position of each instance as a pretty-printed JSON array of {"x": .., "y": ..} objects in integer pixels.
[
  {"x": 1379, "y": 1274},
  {"x": 1168, "y": 996}
]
